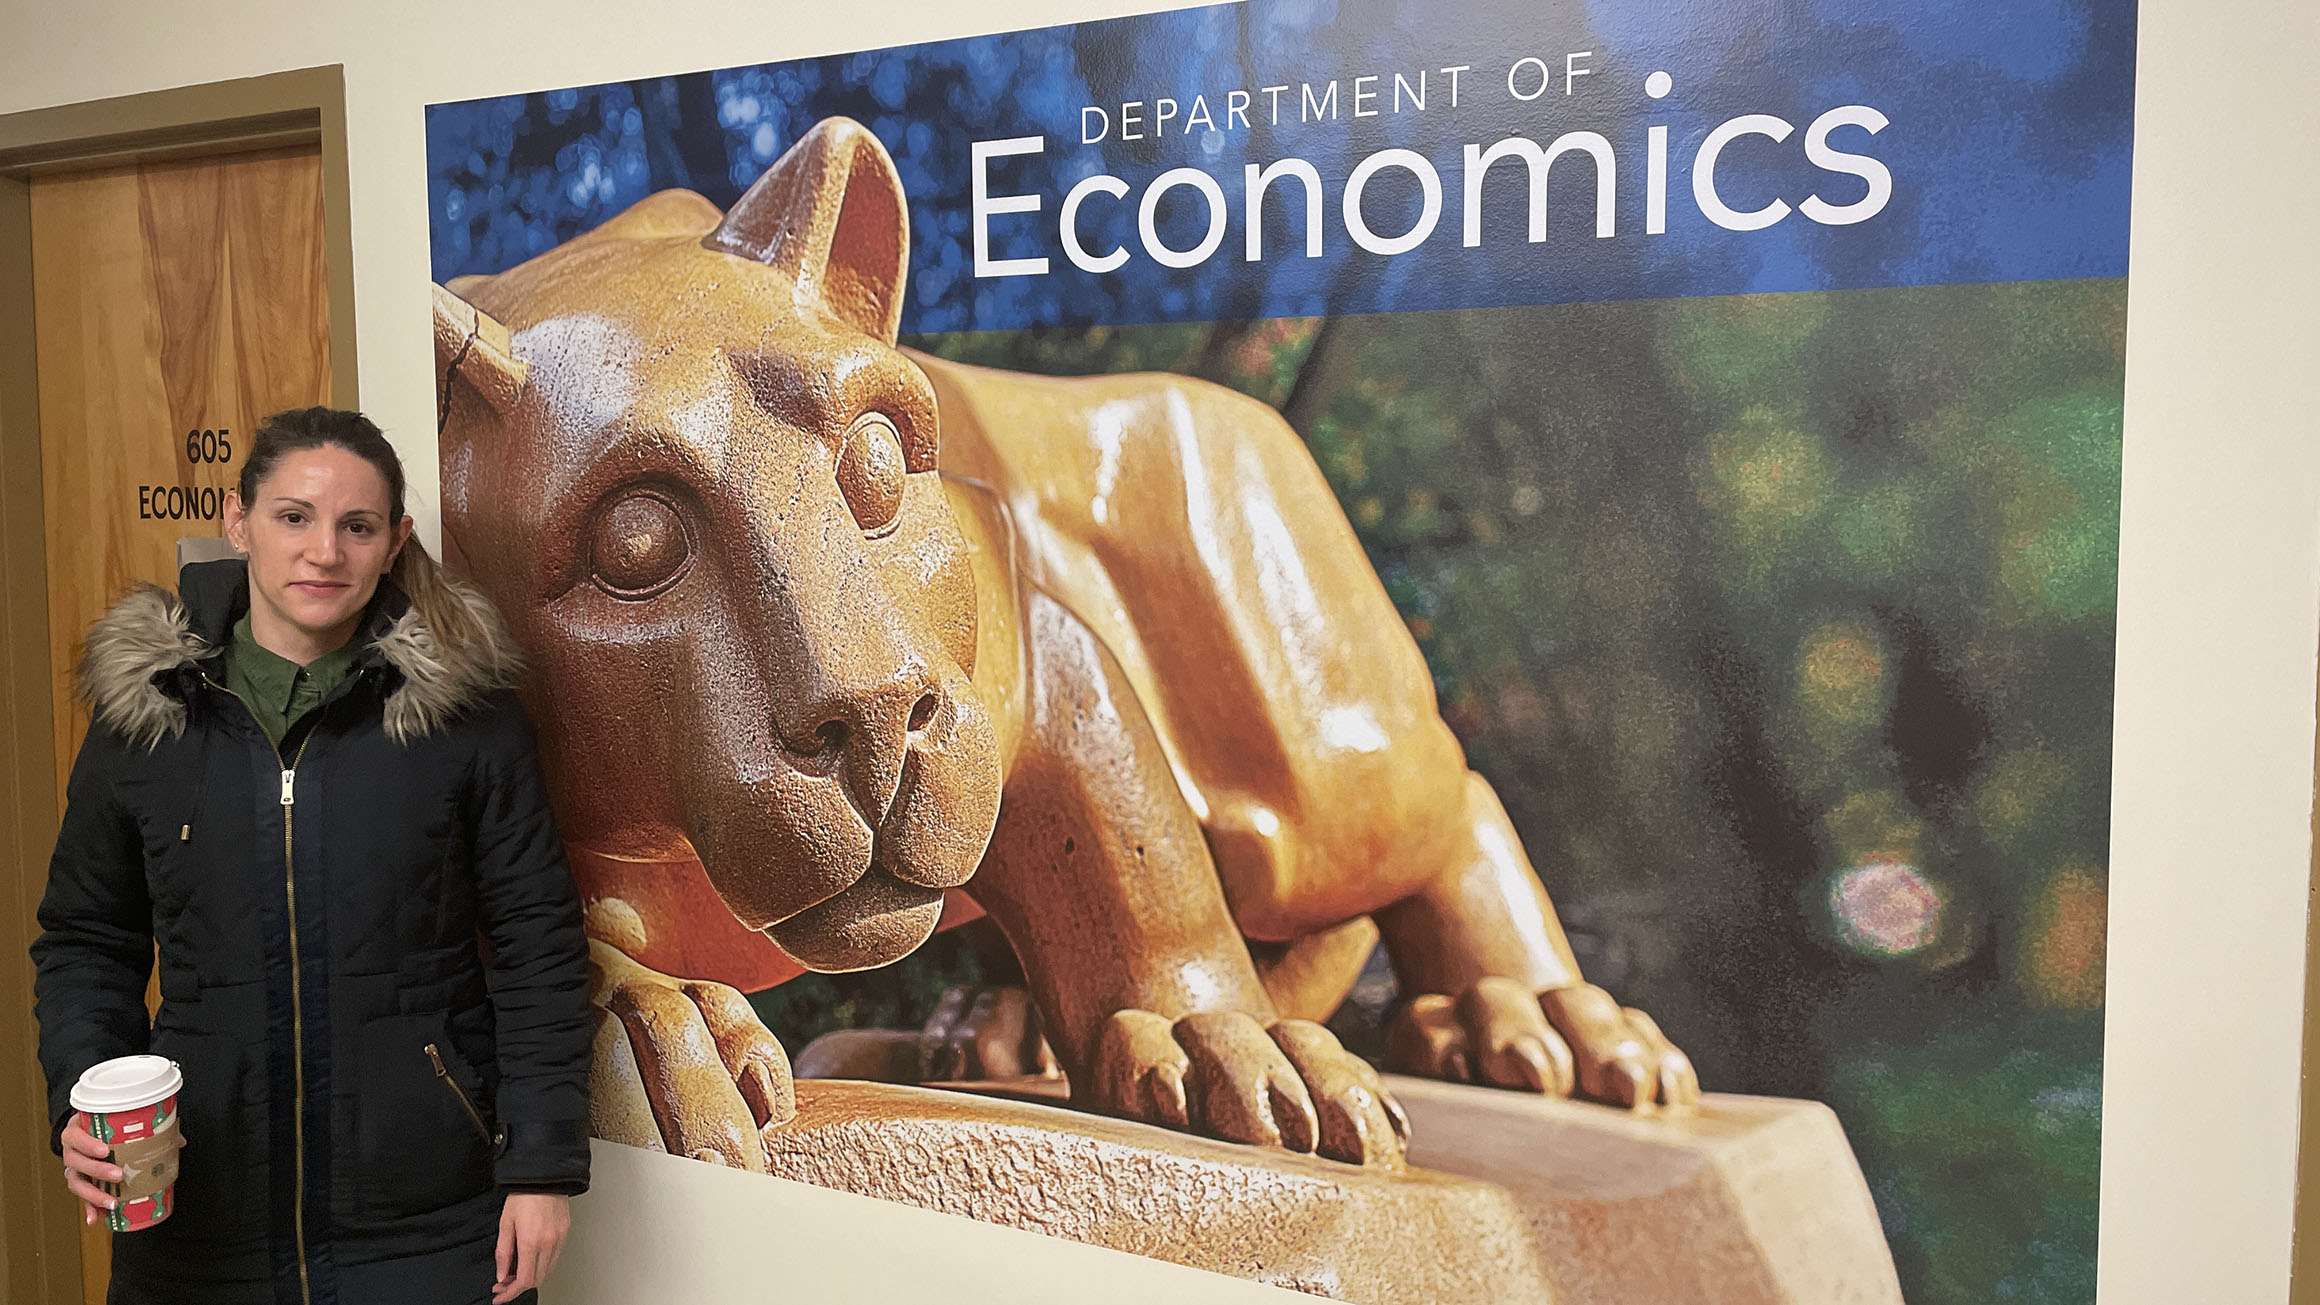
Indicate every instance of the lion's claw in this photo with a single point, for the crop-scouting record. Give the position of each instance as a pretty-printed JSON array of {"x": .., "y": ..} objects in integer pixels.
[
  {"x": 1623, "y": 1058},
  {"x": 1241, "y": 1087},
  {"x": 1493, "y": 1033},
  {"x": 696, "y": 1073},
  {"x": 1139, "y": 1070},
  {"x": 1679, "y": 1082},
  {"x": 1358, "y": 1117},
  {"x": 1511, "y": 1041},
  {"x": 1223, "y": 1074},
  {"x": 1573, "y": 1041}
]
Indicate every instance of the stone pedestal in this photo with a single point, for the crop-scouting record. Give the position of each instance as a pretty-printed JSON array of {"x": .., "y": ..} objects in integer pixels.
[
  {"x": 1407, "y": 1237},
  {"x": 1510, "y": 1198},
  {"x": 1746, "y": 1201}
]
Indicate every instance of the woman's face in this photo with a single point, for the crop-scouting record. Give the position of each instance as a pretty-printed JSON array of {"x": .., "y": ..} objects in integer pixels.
[{"x": 318, "y": 538}]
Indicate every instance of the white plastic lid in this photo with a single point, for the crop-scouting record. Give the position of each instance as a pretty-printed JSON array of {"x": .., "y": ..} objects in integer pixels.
[{"x": 126, "y": 1082}]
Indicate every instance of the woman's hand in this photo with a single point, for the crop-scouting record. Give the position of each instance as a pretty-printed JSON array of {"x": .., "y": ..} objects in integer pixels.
[
  {"x": 88, "y": 1162},
  {"x": 532, "y": 1226}
]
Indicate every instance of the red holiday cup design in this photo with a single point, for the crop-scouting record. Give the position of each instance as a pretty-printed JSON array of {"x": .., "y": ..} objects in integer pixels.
[{"x": 131, "y": 1102}]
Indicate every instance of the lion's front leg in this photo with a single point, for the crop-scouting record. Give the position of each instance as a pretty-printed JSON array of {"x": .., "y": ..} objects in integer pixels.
[
  {"x": 682, "y": 1065},
  {"x": 1099, "y": 875},
  {"x": 1494, "y": 996}
]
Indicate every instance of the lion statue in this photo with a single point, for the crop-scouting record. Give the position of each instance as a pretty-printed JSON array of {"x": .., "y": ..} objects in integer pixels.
[{"x": 834, "y": 643}]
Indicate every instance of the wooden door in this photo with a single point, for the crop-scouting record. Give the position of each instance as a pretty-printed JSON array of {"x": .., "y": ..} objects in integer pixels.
[{"x": 174, "y": 304}]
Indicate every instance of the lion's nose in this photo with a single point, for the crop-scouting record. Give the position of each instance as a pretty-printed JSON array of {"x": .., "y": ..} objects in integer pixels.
[{"x": 862, "y": 733}]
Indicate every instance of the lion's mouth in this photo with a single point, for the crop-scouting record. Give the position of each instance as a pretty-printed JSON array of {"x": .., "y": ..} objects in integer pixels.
[{"x": 876, "y": 920}]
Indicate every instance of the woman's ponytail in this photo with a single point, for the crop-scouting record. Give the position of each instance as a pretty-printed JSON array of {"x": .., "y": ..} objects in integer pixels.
[{"x": 452, "y": 611}]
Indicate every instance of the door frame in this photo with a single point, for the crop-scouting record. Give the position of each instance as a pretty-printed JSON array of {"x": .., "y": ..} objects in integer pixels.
[{"x": 43, "y": 1252}]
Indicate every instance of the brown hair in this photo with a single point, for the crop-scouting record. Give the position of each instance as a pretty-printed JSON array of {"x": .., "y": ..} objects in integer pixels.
[{"x": 416, "y": 573}]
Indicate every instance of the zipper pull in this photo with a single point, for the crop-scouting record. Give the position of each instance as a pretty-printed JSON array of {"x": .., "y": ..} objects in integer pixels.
[
  {"x": 287, "y": 777},
  {"x": 185, "y": 833},
  {"x": 496, "y": 1141}
]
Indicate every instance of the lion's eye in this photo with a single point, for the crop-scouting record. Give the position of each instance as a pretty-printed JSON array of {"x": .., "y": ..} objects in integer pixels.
[
  {"x": 870, "y": 471},
  {"x": 639, "y": 546}
]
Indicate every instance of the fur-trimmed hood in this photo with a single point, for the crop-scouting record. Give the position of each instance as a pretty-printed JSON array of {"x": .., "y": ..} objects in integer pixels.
[{"x": 126, "y": 667}]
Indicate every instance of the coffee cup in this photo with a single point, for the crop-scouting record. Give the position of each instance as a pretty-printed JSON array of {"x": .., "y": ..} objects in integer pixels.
[{"x": 131, "y": 1102}]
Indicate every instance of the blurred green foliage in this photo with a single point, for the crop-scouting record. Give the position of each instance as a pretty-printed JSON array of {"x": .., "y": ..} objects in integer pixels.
[{"x": 1783, "y": 626}]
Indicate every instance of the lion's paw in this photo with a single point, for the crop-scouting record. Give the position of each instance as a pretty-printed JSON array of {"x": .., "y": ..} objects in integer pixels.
[
  {"x": 684, "y": 1064},
  {"x": 1492, "y": 1033},
  {"x": 1563, "y": 1042},
  {"x": 1623, "y": 1058},
  {"x": 1225, "y": 1075}
]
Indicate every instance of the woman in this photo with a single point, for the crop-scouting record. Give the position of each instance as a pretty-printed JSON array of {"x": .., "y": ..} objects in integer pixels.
[{"x": 308, "y": 781}]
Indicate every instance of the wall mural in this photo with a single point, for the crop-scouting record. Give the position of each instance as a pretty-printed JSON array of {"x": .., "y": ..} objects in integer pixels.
[{"x": 1085, "y": 585}]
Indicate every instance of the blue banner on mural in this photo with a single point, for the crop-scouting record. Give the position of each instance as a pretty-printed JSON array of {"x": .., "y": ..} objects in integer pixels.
[{"x": 1299, "y": 157}]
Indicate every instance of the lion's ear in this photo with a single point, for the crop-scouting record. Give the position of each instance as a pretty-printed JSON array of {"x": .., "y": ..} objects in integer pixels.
[
  {"x": 831, "y": 213},
  {"x": 472, "y": 352}
]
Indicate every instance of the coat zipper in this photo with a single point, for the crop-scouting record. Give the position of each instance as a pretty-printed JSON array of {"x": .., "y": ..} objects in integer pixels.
[
  {"x": 297, "y": 1010},
  {"x": 466, "y": 1103}
]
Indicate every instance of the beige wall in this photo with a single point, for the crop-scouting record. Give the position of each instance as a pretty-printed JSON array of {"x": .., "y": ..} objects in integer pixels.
[
  {"x": 2220, "y": 561},
  {"x": 2211, "y": 800}
]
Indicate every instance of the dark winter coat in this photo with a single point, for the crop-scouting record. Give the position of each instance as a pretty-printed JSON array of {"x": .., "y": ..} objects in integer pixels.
[{"x": 318, "y": 910}]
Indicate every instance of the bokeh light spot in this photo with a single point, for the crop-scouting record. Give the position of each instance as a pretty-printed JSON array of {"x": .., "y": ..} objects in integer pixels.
[
  {"x": 1840, "y": 669},
  {"x": 2068, "y": 937},
  {"x": 1886, "y": 908}
]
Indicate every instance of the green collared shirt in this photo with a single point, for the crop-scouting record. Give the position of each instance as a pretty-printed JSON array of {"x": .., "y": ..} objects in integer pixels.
[{"x": 279, "y": 691}]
